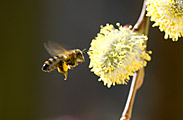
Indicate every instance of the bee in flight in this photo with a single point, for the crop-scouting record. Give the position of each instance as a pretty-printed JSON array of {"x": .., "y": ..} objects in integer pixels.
[{"x": 62, "y": 59}]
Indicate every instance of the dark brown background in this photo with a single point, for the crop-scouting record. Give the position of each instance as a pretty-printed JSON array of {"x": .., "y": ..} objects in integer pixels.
[{"x": 27, "y": 93}]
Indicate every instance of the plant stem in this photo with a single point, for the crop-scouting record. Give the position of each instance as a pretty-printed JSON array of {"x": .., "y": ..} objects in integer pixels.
[
  {"x": 126, "y": 115},
  {"x": 141, "y": 27}
]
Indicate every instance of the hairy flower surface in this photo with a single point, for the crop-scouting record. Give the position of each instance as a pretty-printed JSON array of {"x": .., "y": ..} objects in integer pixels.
[
  {"x": 115, "y": 54},
  {"x": 168, "y": 15}
]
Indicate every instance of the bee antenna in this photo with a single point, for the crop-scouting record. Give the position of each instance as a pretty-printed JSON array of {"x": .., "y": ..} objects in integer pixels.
[{"x": 84, "y": 50}]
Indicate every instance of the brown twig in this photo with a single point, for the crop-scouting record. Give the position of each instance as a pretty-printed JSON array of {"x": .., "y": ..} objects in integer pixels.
[
  {"x": 142, "y": 27},
  {"x": 129, "y": 104}
]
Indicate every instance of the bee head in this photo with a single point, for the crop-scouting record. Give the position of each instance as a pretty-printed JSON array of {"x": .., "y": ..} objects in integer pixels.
[{"x": 79, "y": 55}]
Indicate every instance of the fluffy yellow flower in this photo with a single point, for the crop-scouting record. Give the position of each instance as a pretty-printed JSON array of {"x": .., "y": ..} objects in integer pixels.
[
  {"x": 168, "y": 15},
  {"x": 115, "y": 54}
]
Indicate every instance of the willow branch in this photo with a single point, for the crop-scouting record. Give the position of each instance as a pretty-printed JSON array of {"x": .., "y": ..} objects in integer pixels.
[
  {"x": 126, "y": 115},
  {"x": 141, "y": 27}
]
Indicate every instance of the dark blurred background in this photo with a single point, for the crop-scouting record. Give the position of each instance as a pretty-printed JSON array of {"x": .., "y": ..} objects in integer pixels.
[{"x": 27, "y": 93}]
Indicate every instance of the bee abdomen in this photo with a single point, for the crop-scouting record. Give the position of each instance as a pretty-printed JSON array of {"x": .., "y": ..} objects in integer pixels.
[
  {"x": 46, "y": 66},
  {"x": 50, "y": 64}
]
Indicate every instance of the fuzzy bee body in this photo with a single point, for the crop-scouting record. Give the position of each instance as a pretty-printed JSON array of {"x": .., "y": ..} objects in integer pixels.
[
  {"x": 62, "y": 59},
  {"x": 51, "y": 63}
]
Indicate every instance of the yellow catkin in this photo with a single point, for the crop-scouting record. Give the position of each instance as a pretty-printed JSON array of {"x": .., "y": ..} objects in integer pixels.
[
  {"x": 115, "y": 54},
  {"x": 168, "y": 15}
]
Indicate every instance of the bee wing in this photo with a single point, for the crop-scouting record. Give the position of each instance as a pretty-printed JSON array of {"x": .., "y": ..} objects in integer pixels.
[{"x": 54, "y": 48}]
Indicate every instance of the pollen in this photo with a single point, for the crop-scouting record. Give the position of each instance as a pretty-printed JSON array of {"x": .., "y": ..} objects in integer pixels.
[
  {"x": 115, "y": 54},
  {"x": 168, "y": 15}
]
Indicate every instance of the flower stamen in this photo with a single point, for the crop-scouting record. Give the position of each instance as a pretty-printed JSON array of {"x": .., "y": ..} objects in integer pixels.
[{"x": 115, "y": 54}]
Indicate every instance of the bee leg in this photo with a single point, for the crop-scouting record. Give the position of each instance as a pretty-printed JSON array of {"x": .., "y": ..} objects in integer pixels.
[
  {"x": 65, "y": 74},
  {"x": 70, "y": 67},
  {"x": 63, "y": 69}
]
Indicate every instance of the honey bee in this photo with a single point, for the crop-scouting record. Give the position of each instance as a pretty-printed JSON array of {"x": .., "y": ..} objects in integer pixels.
[{"x": 62, "y": 59}]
